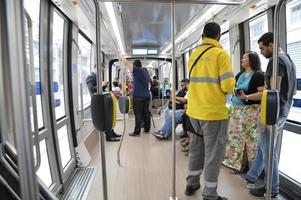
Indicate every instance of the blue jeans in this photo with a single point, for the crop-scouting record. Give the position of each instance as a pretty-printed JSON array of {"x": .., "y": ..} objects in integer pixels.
[
  {"x": 167, "y": 127},
  {"x": 260, "y": 162}
]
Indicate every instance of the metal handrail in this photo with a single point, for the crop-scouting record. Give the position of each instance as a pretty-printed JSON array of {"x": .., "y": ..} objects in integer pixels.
[
  {"x": 33, "y": 94},
  {"x": 274, "y": 88},
  {"x": 101, "y": 143}
]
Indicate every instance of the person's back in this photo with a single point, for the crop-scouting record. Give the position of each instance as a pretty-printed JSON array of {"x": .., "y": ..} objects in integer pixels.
[
  {"x": 211, "y": 80},
  {"x": 141, "y": 81}
]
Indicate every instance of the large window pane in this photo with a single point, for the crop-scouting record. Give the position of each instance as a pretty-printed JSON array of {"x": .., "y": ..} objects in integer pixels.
[
  {"x": 33, "y": 9},
  {"x": 84, "y": 66},
  {"x": 44, "y": 170},
  {"x": 258, "y": 27},
  {"x": 293, "y": 17},
  {"x": 58, "y": 64},
  {"x": 63, "y": 139},
  {"x": 290, "y": 164},
  {"x": 225, "y": 42}
]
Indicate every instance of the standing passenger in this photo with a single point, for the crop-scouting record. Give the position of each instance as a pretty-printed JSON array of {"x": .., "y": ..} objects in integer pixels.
[
  {"x": 141, "y": 96},
  {"x": 211, "y": 79},
  {"x": 242, "y": 135},
  {"x": 286, "y": 77}
]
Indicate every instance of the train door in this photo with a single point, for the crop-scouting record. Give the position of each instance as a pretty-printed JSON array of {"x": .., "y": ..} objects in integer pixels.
[{"x": 46, "y": 50}]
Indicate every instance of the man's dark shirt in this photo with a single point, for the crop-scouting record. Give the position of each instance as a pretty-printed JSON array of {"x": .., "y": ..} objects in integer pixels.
[
  {"x": 179, "y": 106},
  {"x": 287, "y": 70}
]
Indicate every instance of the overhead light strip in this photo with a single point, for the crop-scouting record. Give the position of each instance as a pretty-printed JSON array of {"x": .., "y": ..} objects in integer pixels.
[
  {"x": 111, "y": 13},
  {"x": 204, "y": 18}
]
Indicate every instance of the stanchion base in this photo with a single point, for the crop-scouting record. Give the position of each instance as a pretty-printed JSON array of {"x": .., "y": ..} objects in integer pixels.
[{"x": 173, "y": 198}]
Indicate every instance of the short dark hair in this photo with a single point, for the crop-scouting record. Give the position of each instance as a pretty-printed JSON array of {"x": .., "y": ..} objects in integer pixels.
[
  {"x": 266, "y": 38},
  {"x": 137, "y": 63},
  {"x": 212, "y": 30},
  {"x": 186, "y": 80},
  {"x": 254, "y": 60},
  {"x": 115, "y": 83}
]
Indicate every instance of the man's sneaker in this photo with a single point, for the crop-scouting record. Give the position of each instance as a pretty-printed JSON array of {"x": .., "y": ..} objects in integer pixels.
[
  {"x": 190, "y": 189},
  {"x": 159, "y": 135},
  {"x": 218, "y": 198},
  {"x": 261, "y": 192},
  {"x": 250, "y": 184}
]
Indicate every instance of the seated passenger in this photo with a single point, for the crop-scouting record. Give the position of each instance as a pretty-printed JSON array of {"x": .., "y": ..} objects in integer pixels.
[
  {"x": 166, "y": 131},
  {"x": 116, "y": 89},
  {"x": 241, "y": 146}
]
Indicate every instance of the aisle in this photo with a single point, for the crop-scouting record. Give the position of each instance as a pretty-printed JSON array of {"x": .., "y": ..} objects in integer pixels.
[{"x": 145, "y": 173}]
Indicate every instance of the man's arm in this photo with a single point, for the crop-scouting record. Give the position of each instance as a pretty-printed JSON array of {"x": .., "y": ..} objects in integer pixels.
[
  {"x": 226, "y": 77},
  {"x": 126, "y": 63}
]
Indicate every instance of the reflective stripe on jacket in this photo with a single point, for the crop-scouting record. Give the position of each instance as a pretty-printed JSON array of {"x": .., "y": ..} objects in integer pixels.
[{"x": 211, "y": 80}]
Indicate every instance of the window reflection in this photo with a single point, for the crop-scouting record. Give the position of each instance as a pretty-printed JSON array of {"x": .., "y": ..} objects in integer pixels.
[
  {"x": 33, "y": 9},
  {"x": 58, "y": 64},
  {"x": 84, "y": 66}
]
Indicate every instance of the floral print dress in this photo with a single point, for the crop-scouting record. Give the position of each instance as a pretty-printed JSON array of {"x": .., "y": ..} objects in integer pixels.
[{"x": 241, "y": 134}]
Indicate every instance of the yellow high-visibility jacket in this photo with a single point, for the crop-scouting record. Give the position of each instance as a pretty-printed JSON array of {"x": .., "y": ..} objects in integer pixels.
[{"x": 211, "y": 80}]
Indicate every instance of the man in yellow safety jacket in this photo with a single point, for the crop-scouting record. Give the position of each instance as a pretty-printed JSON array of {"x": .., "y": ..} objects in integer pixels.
[{"x": 211, "y": 79}]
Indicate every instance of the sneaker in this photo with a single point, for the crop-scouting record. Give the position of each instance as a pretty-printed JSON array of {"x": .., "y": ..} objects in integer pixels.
[
  {"x": 218, "y": 198},
  {"x": 250, "y": 184},
  {"x": 190, "y": 189},
  {"x": 112, "y": 139},
  {"x": 159, "y": 135},
  {"x": 114, "y": 134},
  {"x": 261, "y": 192}
]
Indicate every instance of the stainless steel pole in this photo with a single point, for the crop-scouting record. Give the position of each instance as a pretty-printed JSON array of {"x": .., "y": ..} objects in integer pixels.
[
  {"x": 274, "y": 88},
  {"x": 173, "y": 189},
  {"x": 99, "y": 90}
]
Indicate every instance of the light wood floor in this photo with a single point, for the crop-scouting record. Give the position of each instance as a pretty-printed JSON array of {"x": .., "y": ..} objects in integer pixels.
[{"x": 145, "y": 173}]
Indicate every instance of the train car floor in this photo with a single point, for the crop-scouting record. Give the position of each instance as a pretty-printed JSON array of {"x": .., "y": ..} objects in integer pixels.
[{"x": 145, "y": 171}]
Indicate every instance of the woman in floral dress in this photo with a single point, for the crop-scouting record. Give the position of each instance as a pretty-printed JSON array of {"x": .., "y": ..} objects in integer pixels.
[{"x": 242, "y": 136}]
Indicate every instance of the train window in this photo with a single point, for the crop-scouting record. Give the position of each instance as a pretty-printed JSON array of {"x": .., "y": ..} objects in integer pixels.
[
  {"x": 288, "y": 164},
  {"x": 186, "y": 58},
  {"x": 225, "y": 42},
  {"x": 33, "y": 9},
  {"x": 258, "y": 27},
  {"x": 84, "y": 66},
  {"x": 293, "y": 17},
  {"x": 44, "y": 170},
  {"x": 58, "y": 64}
]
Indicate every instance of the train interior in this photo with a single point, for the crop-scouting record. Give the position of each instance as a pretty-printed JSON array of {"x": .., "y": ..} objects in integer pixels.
[{"x": 50, "y": 148}]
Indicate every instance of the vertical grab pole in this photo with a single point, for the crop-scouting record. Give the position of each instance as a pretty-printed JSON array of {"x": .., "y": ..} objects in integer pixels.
[
  {"x": 173, "y": 189},
  {"x": 274, "y": 88},
  {"x": 99, "y": 90},
  {"x": 123, "y": 75}
]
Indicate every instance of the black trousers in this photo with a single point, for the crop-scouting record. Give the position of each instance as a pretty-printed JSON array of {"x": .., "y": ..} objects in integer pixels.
[{"x": 142, "y": 113}]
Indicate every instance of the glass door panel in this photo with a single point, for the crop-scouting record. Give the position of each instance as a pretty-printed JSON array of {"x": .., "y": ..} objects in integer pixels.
[
  {"x": 58, "y": 64},
  {"x": 64, "y": 145},
  {"x": 44, "y": 169}
]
